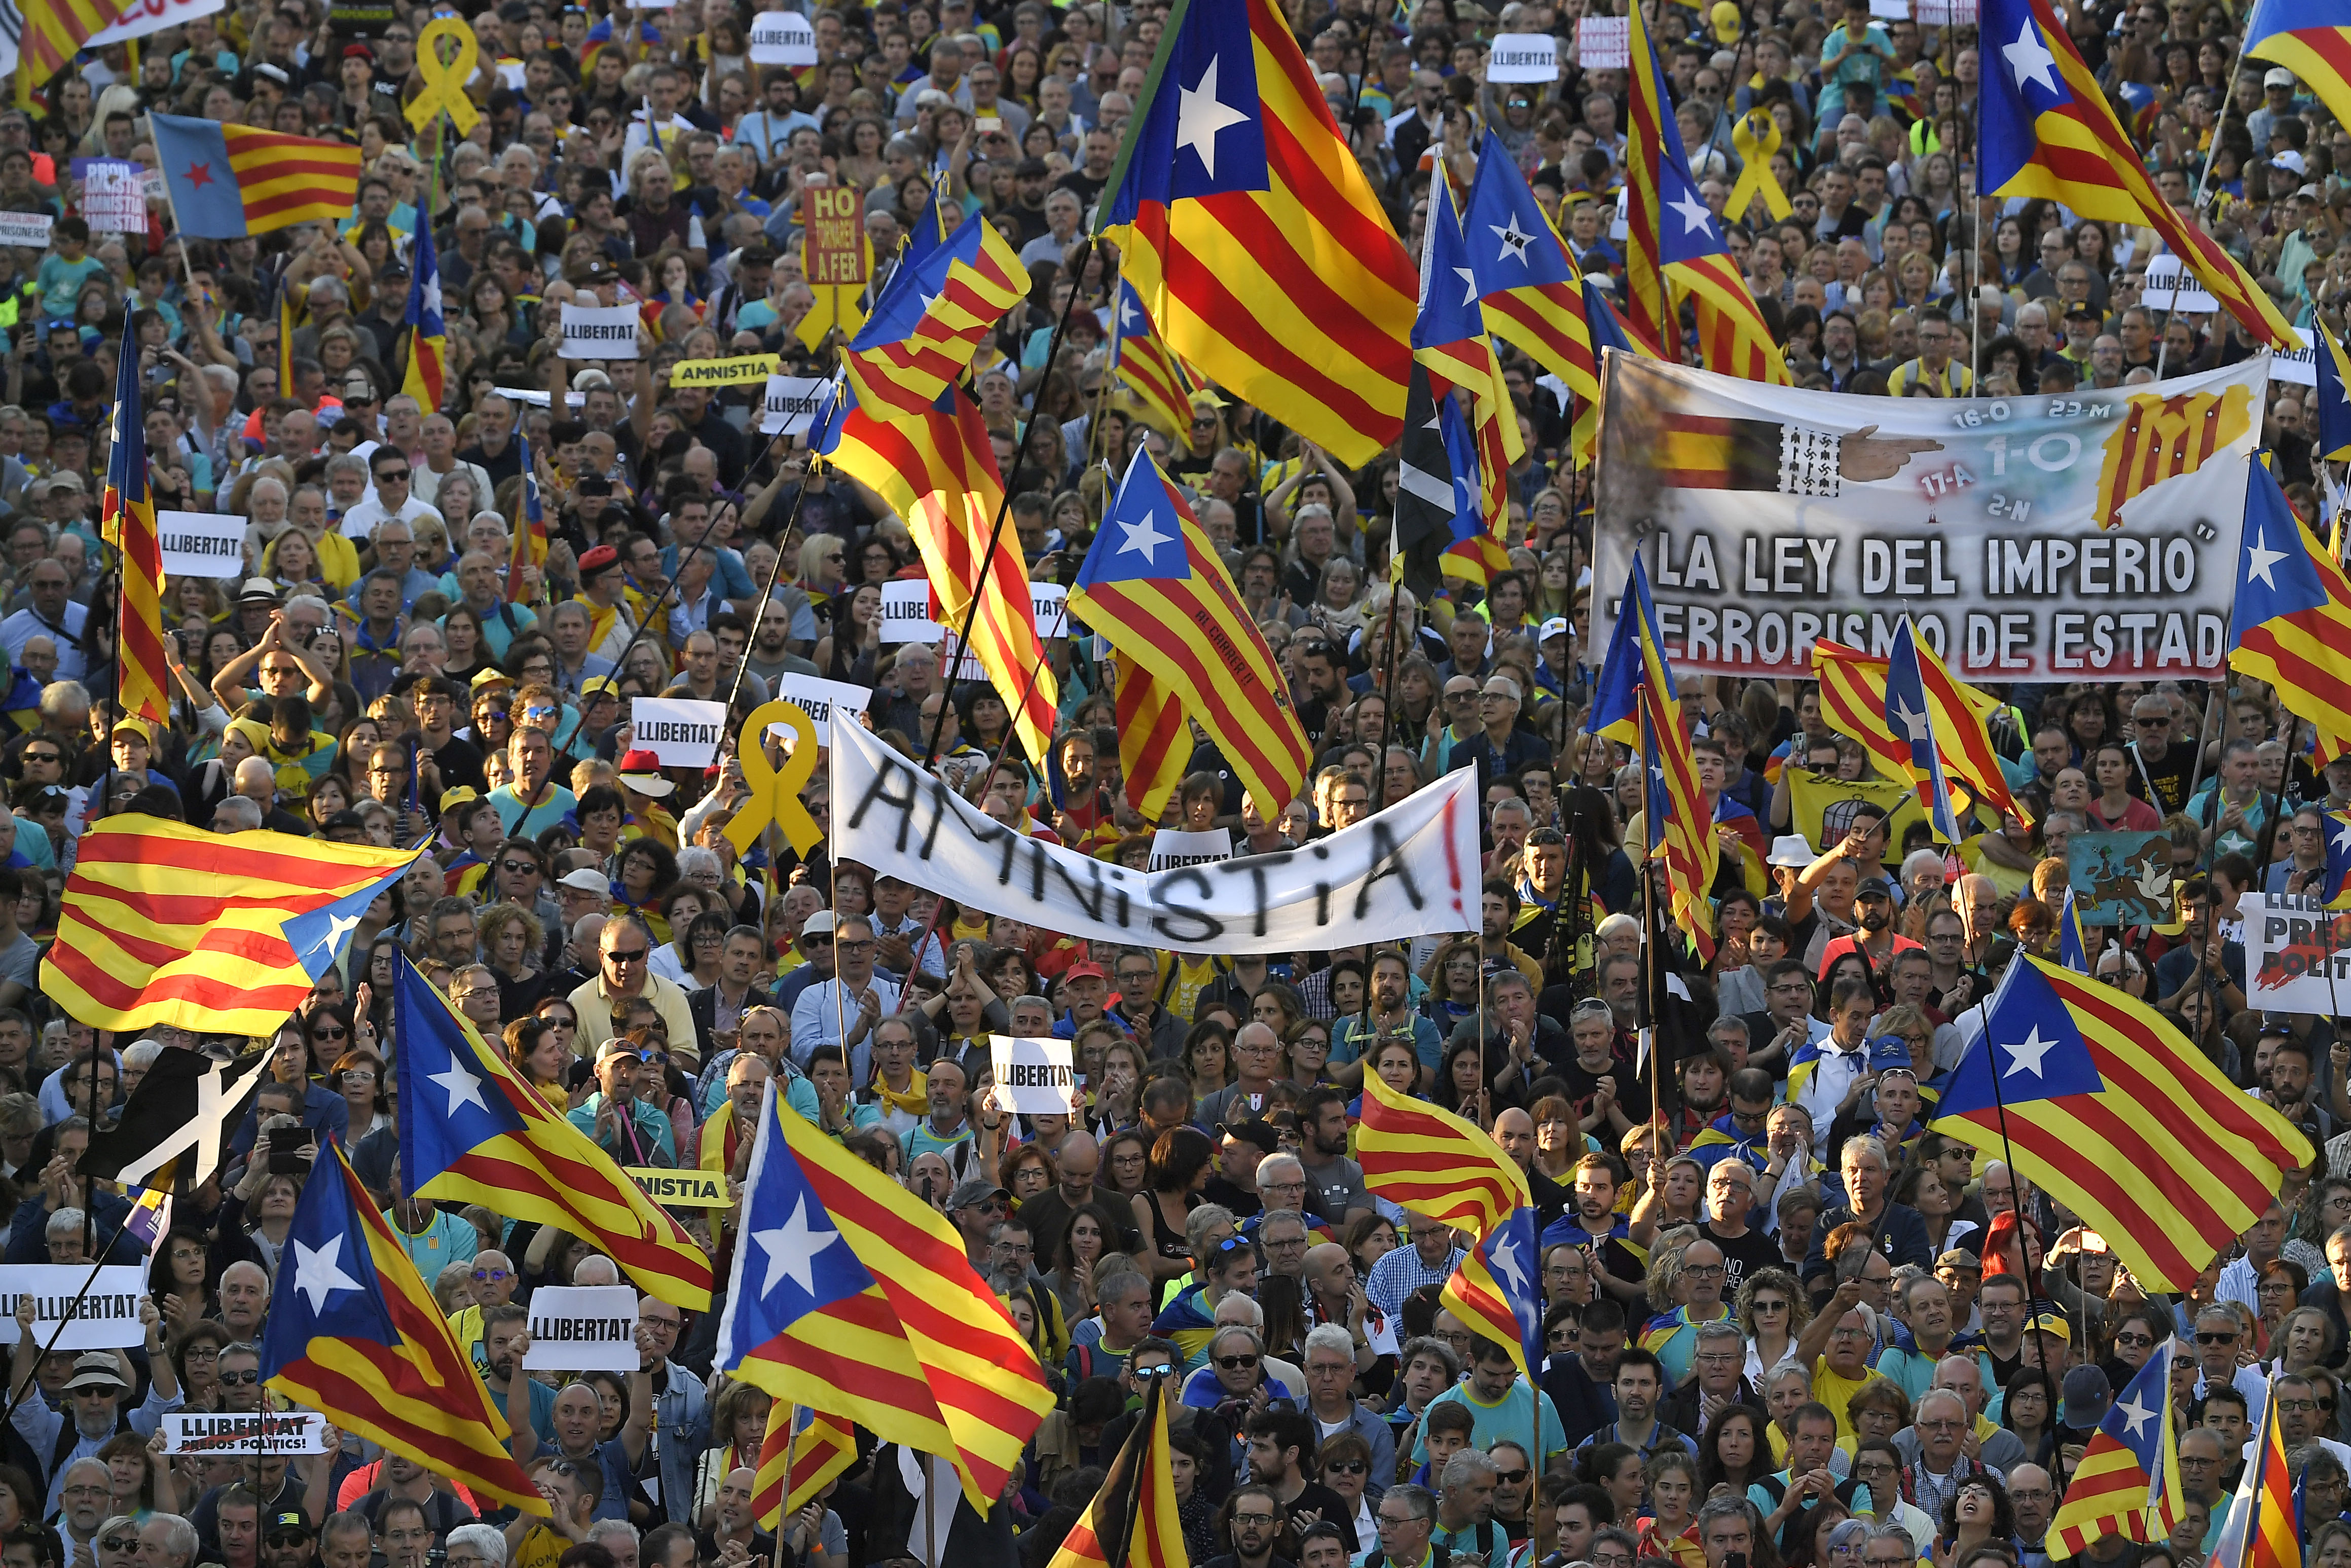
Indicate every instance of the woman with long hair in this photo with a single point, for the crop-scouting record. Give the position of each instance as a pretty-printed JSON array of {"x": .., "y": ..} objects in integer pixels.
[
  {"x": 1091, "y": 1233},
  {"x": 1773, "y": 1309},
  {"x": 1182, "y": 1161},
  {"x": 739, "y": 1425},
  {"x": 359, "y": 1078},
  {"x": 2028, "y": 1409},
  {"x": 1735, "y": 1452}
]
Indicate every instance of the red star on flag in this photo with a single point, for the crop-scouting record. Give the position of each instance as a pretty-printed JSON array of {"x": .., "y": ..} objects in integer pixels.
[{"x": 200, "y": 176}]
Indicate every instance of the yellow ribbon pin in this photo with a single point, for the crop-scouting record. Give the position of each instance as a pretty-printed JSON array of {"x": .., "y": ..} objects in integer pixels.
[
  {"x": 1747, "y": 134},
  {"x": 445, "y": 80},
  {"x": 776, "y": 791}
]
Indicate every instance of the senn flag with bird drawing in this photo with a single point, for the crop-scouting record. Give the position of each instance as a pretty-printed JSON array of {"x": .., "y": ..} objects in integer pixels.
[
  {"x": 2312, "y": 38},
  {"x": 819, "y": 1447},
  {"x": 1852, "y": 702},
  {"x": 2291, "y": 625},
  {"x": 476, "y": 1132},
  {"x": 2122, "y": 1120},
  {"x": 1252, "y": 236},
  {"x": 2046, "y": 130},
  {"x": 227, "y": 181},
  {"x": 938, "y": 472},
  {"x": 1909, "y": 720},
  {"x": 1495, "y": 1293},
  {"x": 353, "y": 1333},
  {"x": 2127, "y": 1482},
  {"x": 1148, "y": 371},
  {"x": 1433, "y": 1163},
  {"x": 852, "y": 1296},
  {"x": 428, "y": 332},
  {"x": 1449, "y": 340},
  {"x": 1529, "y": 285},
  {"x": 162, "y": 924},
  {"x": 1132, "y": 1521},
  {"x": 127, "y": 521},
  {"x": 2261, "y": 1531},
  {"x": 1153, "y": 586},
  {"x": 938, "y": 307}
]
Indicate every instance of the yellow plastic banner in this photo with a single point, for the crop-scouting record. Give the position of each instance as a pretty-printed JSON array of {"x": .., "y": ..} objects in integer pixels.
[{"x": 726, "y": 372}]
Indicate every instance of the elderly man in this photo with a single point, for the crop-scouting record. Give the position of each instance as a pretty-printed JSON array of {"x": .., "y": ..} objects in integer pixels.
[
  {"x": 94, "y": 1397},
  {"x": 1330, "y": 1366},
  {"x": 623, "y": 955}
]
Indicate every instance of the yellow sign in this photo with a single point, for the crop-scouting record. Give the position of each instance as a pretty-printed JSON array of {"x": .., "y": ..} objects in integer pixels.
[
  {"x": 445, "y": 80},
  {"x": 681, "y": 1189},
  {"x": 723, "y": 373},
  {"x": 776, "y": 791}
]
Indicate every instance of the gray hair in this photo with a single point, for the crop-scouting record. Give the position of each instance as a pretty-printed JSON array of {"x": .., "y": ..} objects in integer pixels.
[
  {"x": 179, "y": 1535},
  {"x": 1727, "y": 1508},
  {"x": 1281, "y": 1164},
  {"x": 1720, "y": 1329},
  {"x": 603, "y": 1529},
  {"x": 64, "y": 1222},
  {"x": 696, "y": 857},
  {"x": 1125, "y": 1283},
  {"x": 238, "y": 813},
  {"x": 345, "y": 464},
  {"x": 1429, "y": 1344},
  {"x": 491, "y": 1541},
  {"x": 1419, "y": 1498},
  {"x": 1256, "y": 1345},
  {"x": 1201, "y": 1223},
  {"x": 308, "y": 601},
  {"x": 1466, "y": 1468},
  {"x": 141, "y": 1055},
  {"x": 1331, "y": 1336}
]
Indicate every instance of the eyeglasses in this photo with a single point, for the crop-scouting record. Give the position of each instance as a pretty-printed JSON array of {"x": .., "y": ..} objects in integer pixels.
[
  {"x": 1511, "y": 1477},
  {"x": 2134, "y": 1340},
  {"x": 1348, "y": 1467},
  {"x": 1236, "y": 1362},
  {"x": 118, "y": 1544},
  {"x": 2211, "y": 1336},
  {"x": 383, "y": 474},
  {"x": 1252, "y": 1519},
  {"x": 241, "y": 1379},
  {"x": 518, "y": 867}
]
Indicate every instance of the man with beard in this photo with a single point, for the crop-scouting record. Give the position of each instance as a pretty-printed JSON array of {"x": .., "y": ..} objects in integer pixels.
[
  {"x": 499, "y": 1365},
  {"x": 1334, "y": 1184},
  {"x": 1876, "y": 941},
  {"x": 1354, "y": 1039}
]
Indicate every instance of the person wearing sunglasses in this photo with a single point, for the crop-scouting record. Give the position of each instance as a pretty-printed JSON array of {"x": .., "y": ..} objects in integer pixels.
[
  {"x": 624, "y": 1125},
  {"x": 624, "y": 950}
]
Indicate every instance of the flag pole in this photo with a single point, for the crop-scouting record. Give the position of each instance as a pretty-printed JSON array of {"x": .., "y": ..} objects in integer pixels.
[
  {"x": 1147, "y": 1427},
  {"x": 2007, "y": 1149},
  {"x": 792, "y": 1442}
]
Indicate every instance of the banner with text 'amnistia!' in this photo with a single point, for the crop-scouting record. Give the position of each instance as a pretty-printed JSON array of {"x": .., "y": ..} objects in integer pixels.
[{"x": 2091, "y": 536}]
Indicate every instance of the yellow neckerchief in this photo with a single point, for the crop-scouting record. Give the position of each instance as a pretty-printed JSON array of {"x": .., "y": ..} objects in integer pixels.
[{"x": 916, "y": 1099}]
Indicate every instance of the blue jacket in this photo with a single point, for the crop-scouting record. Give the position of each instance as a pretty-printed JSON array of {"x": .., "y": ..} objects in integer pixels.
[{"x": 1902, "y": 1236}]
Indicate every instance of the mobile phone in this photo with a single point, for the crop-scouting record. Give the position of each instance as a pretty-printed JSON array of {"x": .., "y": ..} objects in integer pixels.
[
  {"x": 2093, "y": 1242},
  {"x": 286, "y": 1147},
  {"x": 988, "y": 124}
]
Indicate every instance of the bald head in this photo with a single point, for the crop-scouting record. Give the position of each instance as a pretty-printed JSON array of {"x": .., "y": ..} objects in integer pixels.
[
  {"x": 257, "y": 782},
  {"x": 598, "y": 1270}
]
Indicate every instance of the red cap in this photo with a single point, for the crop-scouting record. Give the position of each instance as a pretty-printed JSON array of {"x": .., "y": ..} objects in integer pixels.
[
  {"x": 1087, "y": 970},
  {"x": 603, "y": 557}
]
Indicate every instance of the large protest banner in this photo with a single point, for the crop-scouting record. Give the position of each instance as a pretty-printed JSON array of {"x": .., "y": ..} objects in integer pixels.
[
  {"x": 1409, "y": 870},
  {"x": 2297, "y": 953},
  {"x": 2085, "y": 538}
]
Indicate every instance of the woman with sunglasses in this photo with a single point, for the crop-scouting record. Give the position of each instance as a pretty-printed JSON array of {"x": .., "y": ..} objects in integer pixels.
[{"x": 358, "y": 1077}]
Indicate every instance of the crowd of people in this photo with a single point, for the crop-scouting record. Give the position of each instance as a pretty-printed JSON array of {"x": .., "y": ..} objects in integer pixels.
[{"x": 1910, "y": 1343}]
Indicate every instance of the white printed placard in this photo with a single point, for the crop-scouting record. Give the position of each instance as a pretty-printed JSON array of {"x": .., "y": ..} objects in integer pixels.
[
  {"x": 1173, "y": 847},
  {"x": 104, "y": 1318},
  {"x": 679, "y": 731},
  {"x": 540, "y": 397},
  {"x": 1033, "y": 1077},
  {"x": 2296, "y": 367},
  {"x": 791, "y": 403},
  {"x": 1523, "y": 56},
  {"x": 583, "y": 1328},
  {"x": 200, "y": 544},
  {"x": 906, "y": 611},
  {"x": 782, "y": 38},
  {"x": 28, "y": 230},
  {"x": 248, "y": 1433},
  {"x": 819, "y": 699},
  {"x": 114, "y": 197},
  {"x": 1890, "y": 10},
  {"x": 1947, "y": 13},
  {"x": 1051, "y": 602},
  {"x": 601, "y": 331},
  {"x": 2165, "y": 289},
  {"x": 1603, "y": 43}
]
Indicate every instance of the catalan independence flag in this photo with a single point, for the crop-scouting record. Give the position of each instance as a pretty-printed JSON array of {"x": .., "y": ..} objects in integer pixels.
[
  {"x": 1676, "y": 822},
  {"x": 817, "y": 1447},
  {"x": 857, "y": 1297},
  {"x": 1133, "y": 1522},
  {"x": 939, "y": 474},
  {"x": 2072, "y": 951},
  {"x": 54, "y": 32},
  {"x": 2312, "y": 38},
  {"x": 938, "y": 307},
  {"x": 1649, "y": 184},
  {"x": 1495, "y": 1293},
  {"x": 1909, "y": 720},
  {"x": 127, "y": 521},
  {"x": 1623, "y": 668},
  {"x": 1852, "y": 702},
  {"x": 2292, "y": 623},
  {"x": 1154, "y": 738},
  {"x": 2124, "y": 1122},
  {"x": 2046, "y": 130},
  {"x": 1252, "y": 236},
  {"x": 1529, "y": 285},
  {"x": 353, "y": 1333},
  {"x": 1448, "y": 340},
  {"x": 1148, "y": 371},
  {"x": 476, "y": 1132},
  {"x": 2127, "y": 1480},
  {"x": 230, "y": 181},
  {"x": 162, "y": 924},
  {"x": 2337, "y": 889},
  {"x": 1433, "y": 1163},
  {"x": 1153, "y": 586},
  {"x": 428, "y": 333},
  {"x": 2331, "y": 397},
  {"x": 2262, "y": 1530},
  {"x": 530, "y": 537}
]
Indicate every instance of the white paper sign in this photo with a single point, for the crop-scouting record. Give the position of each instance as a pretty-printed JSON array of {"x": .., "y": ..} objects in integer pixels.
[
  {"x": 819, "y": 699},
  {"x": 30, "y": 230},
  {"x": 599, "y": 331},
  {"x": 2164, "y": 290},
  {"x": 146, "y": 16},
  {"x": 1947, "y": 13},
  {"x": 1033, "y": 1077},
  {"x": 248, "y": 1433},
  {"x": 538, "y": 397},
  {"x": 200, "y": 544},
  {"x": 114, "y": 198},
  {"x": 906, "y": 611},
  {"x": 107, "y": 1318},
  {"x": 1603, "y": 43},
  {"x": 960, "y": 663},
  {"x": 782, "y": 38},
  {"x": 583, "y": 1328},
  {"x": 2296, "y": 367},
  {"x": 790, "y": 404},
  {"x": 1050, "y": 603},
  {"x": 1173, "y": 847},
  {"x": 1890, "y": 10},
  {"x": 1523, "y": 56},
  {"x": 680, "y": 731}
]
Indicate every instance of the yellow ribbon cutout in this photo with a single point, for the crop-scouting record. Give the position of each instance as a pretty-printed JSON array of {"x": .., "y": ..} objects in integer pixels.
[
  {"x": 445, "y": 80},
  {"x": 776, "y": 791},
  {"x": 1755, "y": 176}
]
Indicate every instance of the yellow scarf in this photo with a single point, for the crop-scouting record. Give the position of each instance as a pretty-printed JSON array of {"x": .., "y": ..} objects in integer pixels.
[{"x": 916, "y": 1099}]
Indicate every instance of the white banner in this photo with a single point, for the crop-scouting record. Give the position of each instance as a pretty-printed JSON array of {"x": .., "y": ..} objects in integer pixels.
[
  {"x": 240, "y": 1435},
  {"x": 906, "y": 611},
  {"x": 1523, "y": 56},
  {"x": 782, "y": 38},
  {"x": 1603, "y": 43},
  {"x": 114, "y": 198},
  {"x": 2164, "y": 291},
  {"x": 1409, "y": 870},
  {"x": 1174, "y": 847},
  {"x": 1051, "y": 602},
  {"x": 2032, "y": 538},
  {"x": 28, "y": 230},
  {"x": 2297, "y": 953},
  {"x": 788, "y": 407},
  {"x": 820, "y": 699},
  {"x": 601, "y": 331},
  {"x": 200, "y": 544},
  {"x": 540, "y": 397},
  {"x": 107, "y": 1318},
  {"x": 145, "y": 16},
  {"x": 583, "y": 1328},
  {"x": 2296, "y": 367},
  {"x": 1033, "y": 1077},
  {"x": 680, "y": 731}
]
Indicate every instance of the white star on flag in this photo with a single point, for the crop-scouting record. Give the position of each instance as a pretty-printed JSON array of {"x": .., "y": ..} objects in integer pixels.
[
  {"x": 791, "y": 1249},
  {"x": 1514, "y": 242},
  {"x": 1914, "y": 724},
  {"x": 318, "y": 1272},
  {"x": 1200, "y": 115},
  {"x": 2028, "y": 58},
  {"x": 2025, "y": 1055},
  {"x": 462, "y": 1087},
  {"x": 2260, "y": 559},
  {"x": 1144, "y": 538},
  {"x": 1695, "y": 217},
  {"x": 2134, "y": 1417}
]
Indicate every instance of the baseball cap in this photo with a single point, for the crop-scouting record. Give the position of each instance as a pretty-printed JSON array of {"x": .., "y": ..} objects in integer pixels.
[
  {"x": 596, "y": 684},
  {"x": 1875, "y": 887},
  {"x": 2049, "y": 1322},
  {"x": 1253, "y": 1130},
  {"x": 977, "y": 1190},
  {"x": 492, "y": 676},
  {"x": 584, "y": 881},
  {"x": 821, "y": 924},
  {"x": 291, "y": 1521},
  {"x": 137, "y": 726},
  {"x": 1554, "y": 627},
  {"x": 641, "y": 772},
  {"x": 2086, "y": 1396},
  {"x": 2278, "y": 76},
  {"x": 1959, "y": 1258},
  {"x": 1088, "y": 970}
]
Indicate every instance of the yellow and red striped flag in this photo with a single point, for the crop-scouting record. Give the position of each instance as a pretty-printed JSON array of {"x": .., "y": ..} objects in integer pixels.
[
  {"x": 1132, "y": 1521},
  {"x": 824, "y": 1449},
  {"x": 227, "y": 181},
  {"x": 2310, "y": 38},
  {"x": 1252, "y": 236},
  {"x": 1529, "y": 285},
  {"x": 2262, "y": 1530},
  {"x": 2127, "y": 1480},
  {"x": 1448, "y": 339},
  {"x": 1495, "y": 1290},
  {"x": 127, "y": 521},
  {"x": 1434, "y": 1164},
  {"x": 162, "y": 924},
  {"x": 1154, "y": 742},
  {"x": 2291, "y": 624},
  {"x": 54, "y": 32},
  {"x": 1853, "y": 701},
  {"x": 1150, "y": 372},
  {"x": 938, "y": 307},
  {"x": 2163, "y": 438}
]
